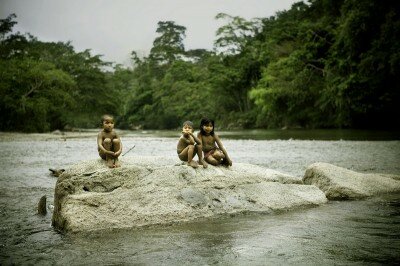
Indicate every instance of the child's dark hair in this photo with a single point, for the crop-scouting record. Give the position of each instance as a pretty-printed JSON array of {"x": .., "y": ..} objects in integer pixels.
[
  {"x": 189, "y": 123},
  {"x": 204, "y": 122},
  {"x": 105, "y": 117}
]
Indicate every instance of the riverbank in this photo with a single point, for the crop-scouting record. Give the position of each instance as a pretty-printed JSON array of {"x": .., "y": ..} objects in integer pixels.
[
  {"x": 58, "y": 135},
  {"x": 254, "y": 134}
]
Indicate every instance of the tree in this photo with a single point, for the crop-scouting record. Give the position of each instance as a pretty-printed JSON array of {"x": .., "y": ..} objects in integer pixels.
[
  {"x": 46, "y": 86},
  {"x": 38, "y": 100},
  {"x": 235, "y": 35},
  {"x": 169, "y": 45},
  {"x": 6, "y": 25},
  {"x": 364, "y": 67}
]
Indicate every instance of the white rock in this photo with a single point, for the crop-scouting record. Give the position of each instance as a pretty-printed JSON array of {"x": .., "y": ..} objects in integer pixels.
[
  {"x": 341, "y": 183},
  {"x": 157, "y": 190}
]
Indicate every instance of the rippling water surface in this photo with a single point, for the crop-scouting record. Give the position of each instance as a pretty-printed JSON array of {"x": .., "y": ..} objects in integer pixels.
[{"x": 346, "y": 232}]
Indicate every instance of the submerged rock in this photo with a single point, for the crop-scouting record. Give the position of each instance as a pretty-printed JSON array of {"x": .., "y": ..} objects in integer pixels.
[
  {"x": 56, "y": 172},
  {"x": 341, "y": 183},
  {"x": 157, "y": 190},
  {"x": 42, "y": 206}
]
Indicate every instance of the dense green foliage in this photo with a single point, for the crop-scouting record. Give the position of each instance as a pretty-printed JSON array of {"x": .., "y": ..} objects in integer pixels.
[
  {"x": 46, "y": 86},
  {"x": 324, "y": 63}
]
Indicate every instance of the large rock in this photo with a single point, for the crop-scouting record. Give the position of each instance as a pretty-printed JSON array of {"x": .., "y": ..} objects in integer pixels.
[
  {"x": 155, "y": 190},
  {"x": 341, "y": 183}
]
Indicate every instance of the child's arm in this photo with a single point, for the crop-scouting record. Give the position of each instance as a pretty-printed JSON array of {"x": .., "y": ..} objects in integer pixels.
[
  {"x": 196, "y": 139},
  {"x": 185, "y": 140},
  {"x": 118, "y": 153},
  {"x": 222, "y": 148},
  {"x": 188, "y": 138},
  {"x": 182, "y": 144},
  {"x": 200, "y": 139}
]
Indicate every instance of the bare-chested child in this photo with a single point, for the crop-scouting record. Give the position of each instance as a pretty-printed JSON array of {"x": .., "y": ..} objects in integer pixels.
[
  {"x": 108, "y": 142},
  {"x": 214, "y": 151},
  {"x": 189, "y": 145}
]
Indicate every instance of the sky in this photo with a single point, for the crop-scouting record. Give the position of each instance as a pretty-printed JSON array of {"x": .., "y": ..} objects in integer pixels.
[{"x": 115, "y": 28}]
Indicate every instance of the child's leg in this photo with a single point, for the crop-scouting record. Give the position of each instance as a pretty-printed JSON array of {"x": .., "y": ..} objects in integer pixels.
[
  {"x": 102, "y": 155},
  {"x": 183, "y": 156},
  {"x": 115, "y": 147},
  {"x": 218, "y": 155},
  {"x": 191, "y": 154},
  {"x": 210, "y": 159},
  {"x": 107, "y": 144},
  {"x": 200, "y": 155},
  {"x": 187, "y": 155}
]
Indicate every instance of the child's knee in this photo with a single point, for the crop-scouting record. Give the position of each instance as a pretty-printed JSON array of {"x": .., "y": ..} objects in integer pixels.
[
  {"x": 219, "y": 155},
  {"x": 107, "y": 141},
  {"x": 102, "y": 155},
  {"x": 116, "y": 141}
]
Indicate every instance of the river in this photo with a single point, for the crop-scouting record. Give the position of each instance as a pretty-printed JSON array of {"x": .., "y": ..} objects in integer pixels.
[{"x": 340, "y": 232}]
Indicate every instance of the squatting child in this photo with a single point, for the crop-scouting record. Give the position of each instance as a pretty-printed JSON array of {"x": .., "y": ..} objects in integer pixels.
[
  {"x": 189, "y": 145},
  {"x": 108, "y": 142},
  {"x": 214, "y": 151}
]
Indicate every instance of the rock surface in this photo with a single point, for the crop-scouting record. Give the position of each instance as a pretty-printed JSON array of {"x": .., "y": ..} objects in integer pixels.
[
  {"x": 159, "y": 190},
  {"x": 341, "y": 183}
]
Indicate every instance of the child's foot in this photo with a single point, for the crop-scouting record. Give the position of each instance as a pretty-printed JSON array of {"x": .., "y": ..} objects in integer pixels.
[
  {"x": 193, "y": 164},
  {"x": 203, "y": 163},
  {"x": 225, "y": 162},
  {"x": 110, "y": 163},
  {"x": 116, "y": 163}
]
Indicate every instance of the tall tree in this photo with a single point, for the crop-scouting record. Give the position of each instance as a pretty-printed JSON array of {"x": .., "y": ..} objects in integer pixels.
[{"x": 168, "y": 46}]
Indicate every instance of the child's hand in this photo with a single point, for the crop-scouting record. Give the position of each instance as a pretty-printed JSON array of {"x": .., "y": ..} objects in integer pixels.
[{"x": 110, "y": 153}]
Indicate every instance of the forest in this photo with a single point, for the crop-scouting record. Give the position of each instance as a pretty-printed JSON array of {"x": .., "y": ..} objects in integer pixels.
[{"x": 320, "y": 64}]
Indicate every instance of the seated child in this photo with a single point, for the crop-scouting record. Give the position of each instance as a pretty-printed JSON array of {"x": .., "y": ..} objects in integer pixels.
[
  {"x": 187, "y": 147},
  {"x": 214, "y": 151},
  {"x": 108, "y": 142}
]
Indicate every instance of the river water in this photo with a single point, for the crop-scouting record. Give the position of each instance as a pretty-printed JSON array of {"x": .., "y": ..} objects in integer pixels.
[{"x": 340, "y": 232}]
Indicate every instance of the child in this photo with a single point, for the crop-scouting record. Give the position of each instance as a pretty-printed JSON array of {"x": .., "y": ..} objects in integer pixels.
[
  {"x": 108, "y": 142},
  {"x": 187, "y": 147},
  {"x": 214, "y": 151}
]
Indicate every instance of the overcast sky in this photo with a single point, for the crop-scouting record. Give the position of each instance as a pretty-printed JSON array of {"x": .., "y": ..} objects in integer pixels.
[{"x": 114, "y": 28}]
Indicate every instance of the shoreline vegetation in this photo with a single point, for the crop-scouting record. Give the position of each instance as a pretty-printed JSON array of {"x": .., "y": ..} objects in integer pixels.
[{"x": 320, "y": 64}]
